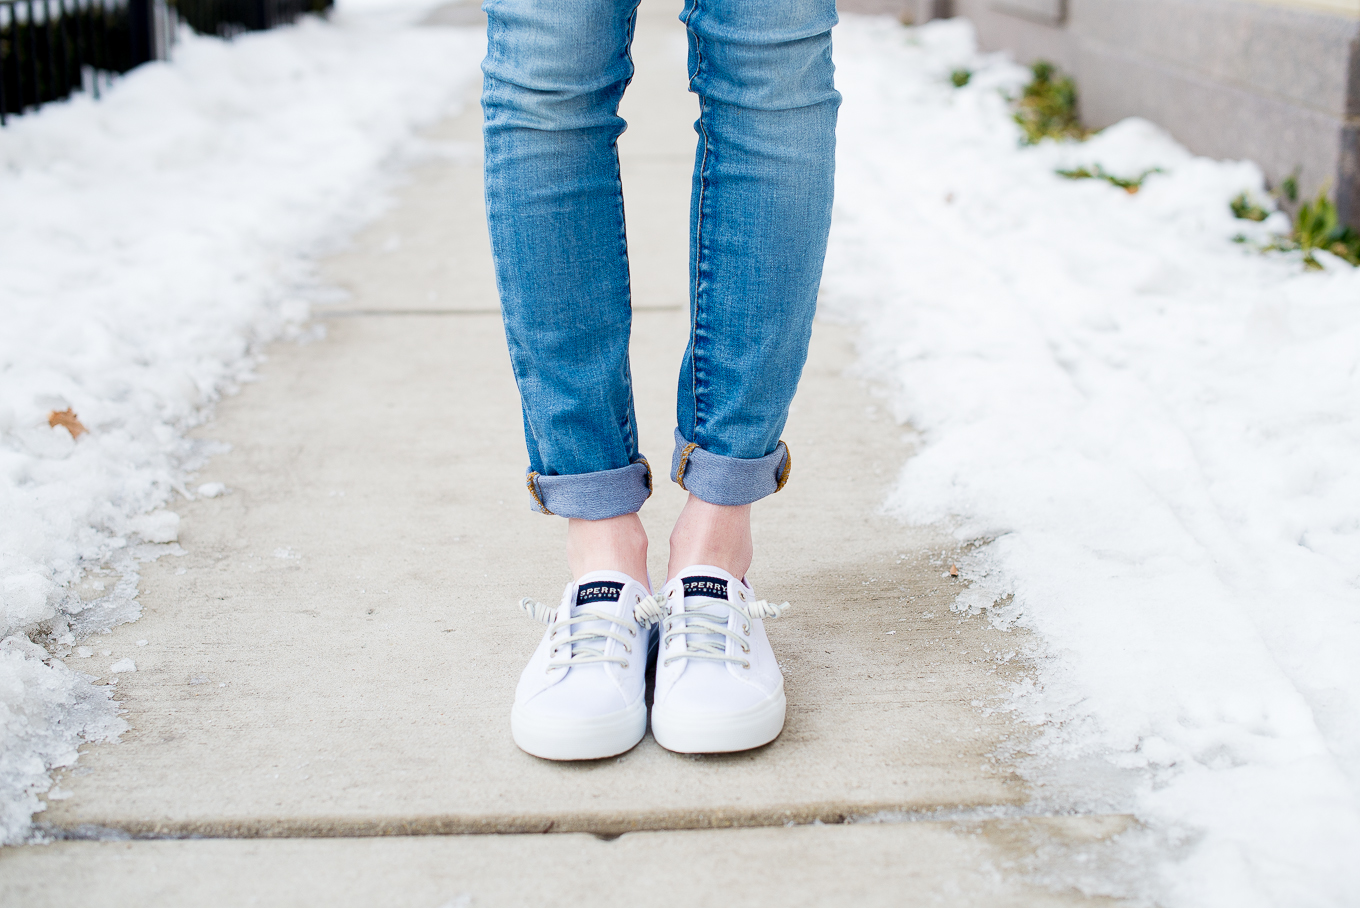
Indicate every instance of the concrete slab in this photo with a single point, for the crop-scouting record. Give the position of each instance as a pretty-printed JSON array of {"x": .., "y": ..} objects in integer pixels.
[
  {"x": 431, "y": 251},
  {"x": 336, "y": 653},
  {"x": 338, "y": 649},
  {"x": 955, "y": 864}
]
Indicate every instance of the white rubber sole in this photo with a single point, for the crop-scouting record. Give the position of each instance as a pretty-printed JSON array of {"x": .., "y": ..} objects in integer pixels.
[
  {"x": 721, "y": 733},
  {"x": 579, "y": 739}
]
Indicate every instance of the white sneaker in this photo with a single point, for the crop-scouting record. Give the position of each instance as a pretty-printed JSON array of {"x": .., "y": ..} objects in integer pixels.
[
  {"x": 718, "y": 687},
  {"x": 581, "y": 697}
]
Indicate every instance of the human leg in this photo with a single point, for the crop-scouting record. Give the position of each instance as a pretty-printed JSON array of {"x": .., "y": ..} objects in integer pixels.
[
  {"x": 554, "y": 73},
  {"x": 759, "y": 219},
  {"x": 759, "y": 222},
  {"x": 612, "y": 544},
  {"x": 711, "y": 534},
  {"x": 555, "y": 70}
]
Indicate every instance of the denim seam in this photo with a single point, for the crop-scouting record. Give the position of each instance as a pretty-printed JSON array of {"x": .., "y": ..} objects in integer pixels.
[
  {"x": 642, "y": 460},
  {"x": 698, "y": 228},
  {"x": 632, "y": 441},
  {"x": 629, "y": 414},
  {"x": 684, "y": 461},
  {"x": 629, "y": 430},
  {"x": 532, "y": 482}
]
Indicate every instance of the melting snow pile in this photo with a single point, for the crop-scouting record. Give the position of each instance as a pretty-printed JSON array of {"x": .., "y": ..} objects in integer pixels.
[
  {"x": 1159, "y": 429},
  {"x": 150, "y": 241}
]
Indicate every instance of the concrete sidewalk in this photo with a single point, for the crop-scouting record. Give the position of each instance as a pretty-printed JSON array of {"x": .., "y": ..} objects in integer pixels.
[{"x": 325, "y": 687}]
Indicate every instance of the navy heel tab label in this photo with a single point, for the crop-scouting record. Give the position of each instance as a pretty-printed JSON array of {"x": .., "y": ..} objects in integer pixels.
[
  {"x": 599, "y": 591},
  {"x": 711, "y": 587}
]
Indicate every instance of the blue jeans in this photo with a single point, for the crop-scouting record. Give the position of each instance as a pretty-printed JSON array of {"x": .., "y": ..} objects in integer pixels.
[{"x": 761, "y": 207}]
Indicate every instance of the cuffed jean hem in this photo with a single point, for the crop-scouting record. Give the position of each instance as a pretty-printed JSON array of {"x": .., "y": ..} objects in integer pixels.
[
  {"x": 592, "y": 496},
  {"x": 728, "y": 480}
]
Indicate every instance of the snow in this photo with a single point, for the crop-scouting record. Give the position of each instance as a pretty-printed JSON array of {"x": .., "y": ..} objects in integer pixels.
[
  {"x": 1154, "y": 430},
  {"x": 212, "y": 490},
  {"x": 152, "y": 242}
]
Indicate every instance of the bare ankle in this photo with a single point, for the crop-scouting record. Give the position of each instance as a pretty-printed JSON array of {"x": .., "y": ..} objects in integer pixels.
[
  {"x": 613, "y": 544},
  {"x": 706, "y": 533}
]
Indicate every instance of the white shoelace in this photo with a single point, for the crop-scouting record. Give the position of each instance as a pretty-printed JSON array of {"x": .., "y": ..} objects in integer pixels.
[
  {"x": 586, "y": 645},
  {"x": 688, "y": 623}
]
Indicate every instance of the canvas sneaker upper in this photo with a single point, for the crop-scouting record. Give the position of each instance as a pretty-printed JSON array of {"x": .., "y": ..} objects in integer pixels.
[
  {"x": 582, "y": 694},
  {"x": 718, "y": 686}
]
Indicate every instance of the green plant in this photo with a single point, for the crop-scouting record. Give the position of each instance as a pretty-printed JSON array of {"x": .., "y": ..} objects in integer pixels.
[
  {"x": 1047, "y": 108},
  {"x": 1316, "y": 227},
  {"x": 1129, "y": 184},
  {"x": 1245, "y": 209},
  {"x": 960, "y": 77},
  {"x": 1289, "y": 188}
]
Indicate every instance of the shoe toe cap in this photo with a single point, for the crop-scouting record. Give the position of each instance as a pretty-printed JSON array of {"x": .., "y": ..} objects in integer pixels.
[
  {"x": 580, "y": 695},
  {"x": 710, "y": 689}
]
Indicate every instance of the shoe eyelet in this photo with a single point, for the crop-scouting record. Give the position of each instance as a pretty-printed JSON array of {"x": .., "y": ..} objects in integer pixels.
[
  {"x": 627, "y": 649},
  {"x": 746, "y": 630},
  {"x": 746, "y": 665},
  {"x": 745, "y": 648},
  {"x": 625, "y": 664},
  {"x": 632, "y": 631}
]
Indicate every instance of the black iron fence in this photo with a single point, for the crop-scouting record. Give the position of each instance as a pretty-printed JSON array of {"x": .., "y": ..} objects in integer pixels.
[
  {"x": 52, "y": 48},
  {"x": 226, "y": 18}
]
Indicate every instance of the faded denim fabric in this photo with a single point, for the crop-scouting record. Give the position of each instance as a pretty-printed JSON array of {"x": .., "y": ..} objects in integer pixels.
[
  {"x": 760, "y": 212},
  {"x": 729, "y": 480}
]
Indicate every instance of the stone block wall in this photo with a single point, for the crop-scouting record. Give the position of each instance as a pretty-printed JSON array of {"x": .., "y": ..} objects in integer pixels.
[{"x": 1277, "y": 84}]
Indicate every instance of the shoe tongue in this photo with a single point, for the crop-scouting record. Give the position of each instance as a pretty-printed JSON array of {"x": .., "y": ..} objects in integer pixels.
[
  {"x": 705, "y": 586},
  {"x": 599, "y": 591},
  {"x": 600, "y": 588},
  {"x": 591, "y": 591},
  {"x": 706, "y": 591}
]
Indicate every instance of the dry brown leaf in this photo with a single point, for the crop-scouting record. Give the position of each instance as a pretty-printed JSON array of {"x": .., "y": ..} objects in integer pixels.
[
  {"x": 953, "y": 570},
  {"x": 68, "y": 419}
]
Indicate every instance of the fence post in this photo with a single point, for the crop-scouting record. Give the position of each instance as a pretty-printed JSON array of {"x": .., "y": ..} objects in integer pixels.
[
  {"x": 2, "y": 84},
  {"x": 142, "y": 41},
  {"x": 9, "y": 11}
]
